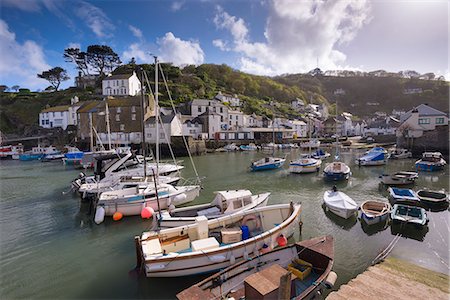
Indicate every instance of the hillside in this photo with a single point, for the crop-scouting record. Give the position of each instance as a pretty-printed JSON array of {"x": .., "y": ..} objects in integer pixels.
[{"x": 21, "y": 110}]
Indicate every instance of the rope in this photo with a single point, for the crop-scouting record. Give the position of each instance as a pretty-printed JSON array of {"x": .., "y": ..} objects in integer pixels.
[
  {"x": 383, "y": 254},
  {"x": 184, "y": 138}
]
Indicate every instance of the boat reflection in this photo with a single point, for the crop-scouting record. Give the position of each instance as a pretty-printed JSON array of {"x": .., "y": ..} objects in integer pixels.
[
  {"x": 375, "y": 228},
  {"x": 410, "y": 231},
  {"x": 345, "y": 224},
  {"x": 435, "y": 207}
]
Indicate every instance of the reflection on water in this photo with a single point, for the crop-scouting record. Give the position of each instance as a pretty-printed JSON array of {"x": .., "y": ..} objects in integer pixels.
[
  {"x": 374, "y": 228},
  {"x": 410, "y": 231},
  {"x": 345, "y": 224}
]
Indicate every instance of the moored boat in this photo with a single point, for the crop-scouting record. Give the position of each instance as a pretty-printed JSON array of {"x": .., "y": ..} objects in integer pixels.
[
  {"x": 320, "y": 154},
  {"x": 400, "y": 153},
  {"x": 305, "y": 164},
  {"x": 336, "y": 171},
  {"x": 311, "y": 262},
  {"x": 399, "y": 178},
  {"x": 249, "y": 147},
  {"x": 267, "y": 163},
  {"x": 409, "y": 214},
  {"x": 431, "y": 161},
  {"x": 340, "y": 203},
  {"x": 314, "y": 143},
  {"x": 374, "y": 157},
  {"x": 73, "y": 156},
  {"x": 225, "y": 203},
  {"x": 432, "y": 197},
  {"x": 406, "y": 196},
  {"x": 210, "y": 245},
  {"x": 373, "y": 211}
]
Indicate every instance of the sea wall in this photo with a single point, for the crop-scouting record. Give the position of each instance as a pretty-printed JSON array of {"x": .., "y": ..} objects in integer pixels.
[{"x": 436, "y": 140}]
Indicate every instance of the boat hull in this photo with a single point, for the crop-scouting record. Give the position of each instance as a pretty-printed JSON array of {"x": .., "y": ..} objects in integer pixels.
[
  {"x": 370, "y": 220},
  {"x": 331, "y": 176},
  {"x": 304, "y": 168},
  {"x": 429, "y": 167}
]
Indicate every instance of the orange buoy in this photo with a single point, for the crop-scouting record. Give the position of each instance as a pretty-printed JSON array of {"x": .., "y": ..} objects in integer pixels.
[
  {"x": 147, "y": 213},
  {"x": 117, "y": 216},
  {"x": 282, "y": 240}
]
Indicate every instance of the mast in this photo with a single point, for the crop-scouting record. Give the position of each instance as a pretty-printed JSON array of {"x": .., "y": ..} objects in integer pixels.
[
  {"x": 144, "y": 152},
  {"x": 108, "y": 127},
  {"x": 156, "y": 115},
  {"x": 90, "y": 132}
]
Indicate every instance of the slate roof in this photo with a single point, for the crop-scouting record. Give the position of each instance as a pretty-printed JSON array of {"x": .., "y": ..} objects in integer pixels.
[
  {"x": 424, "y": 110},
  {"x": 118, "y": 76},
  {"x": 56, "y": 108}
]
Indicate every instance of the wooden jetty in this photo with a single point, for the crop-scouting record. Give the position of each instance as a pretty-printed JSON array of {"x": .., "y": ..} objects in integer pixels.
[{"x": 395, "y": 279}]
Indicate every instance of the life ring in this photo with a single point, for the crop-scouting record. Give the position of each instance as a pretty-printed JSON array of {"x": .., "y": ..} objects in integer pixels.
[{"x": 249, "y": 218}]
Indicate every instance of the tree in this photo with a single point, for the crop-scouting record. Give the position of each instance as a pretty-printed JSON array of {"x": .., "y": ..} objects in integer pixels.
[
  {"x": 3, "y": 88},
  {"x": 15, "y": 88},
  {"x": 55, "y": 76},
  {"x": 100, "y": 58}
]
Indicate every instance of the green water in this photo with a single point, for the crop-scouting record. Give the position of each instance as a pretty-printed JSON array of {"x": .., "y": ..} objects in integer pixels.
[{"x": 50, "y": 248}]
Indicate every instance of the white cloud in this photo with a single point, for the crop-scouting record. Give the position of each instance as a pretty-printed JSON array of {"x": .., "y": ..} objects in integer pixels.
[
  {"x": 176, "y": 5},
  {"x": 178, "y": 51},
  {"x": 95, "y": 19},
  {"x": 136, "y": 31},
  {"x": 222, "y": 45},
  {"x": 32, "y": 6},
  {"x": 20, "y": 63},
  {"x": 139, "y": 52},
  {"x": 298, "y": 33}
]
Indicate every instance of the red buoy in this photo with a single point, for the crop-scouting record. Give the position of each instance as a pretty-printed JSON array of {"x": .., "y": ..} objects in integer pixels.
[
  {"x": 147, "y": 213},
  {"x": 117, "y": 216},
  {"x": 282, "y": 240}
]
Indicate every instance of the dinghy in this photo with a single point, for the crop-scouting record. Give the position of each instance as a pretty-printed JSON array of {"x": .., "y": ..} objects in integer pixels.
[
  {"x": 431, "y": 161},
  {"x": 400, "y": 153},
  {"x": 339, "y": 203},
  {"x": 310, "y": 261},
  {"x": 336, "y": 171},
  {"x": 409, "y": 215},
  {"x": 373, "y": 211},
  {"x": 211, "y": 245},
  {"x": 225, "y": 203},
  {"x": 399, "y": 178},
  {"x": 432, "y": 197},
  {"x": 406, "y": 196}
]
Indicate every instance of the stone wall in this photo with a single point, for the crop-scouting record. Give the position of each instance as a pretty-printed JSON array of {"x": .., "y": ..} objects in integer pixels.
[{"x": 435, "y": 140}]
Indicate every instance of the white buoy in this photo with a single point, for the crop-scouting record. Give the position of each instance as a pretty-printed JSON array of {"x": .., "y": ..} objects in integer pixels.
[
  {"x": 331, "y": 280},
  {"x": 99, "y": 215}
]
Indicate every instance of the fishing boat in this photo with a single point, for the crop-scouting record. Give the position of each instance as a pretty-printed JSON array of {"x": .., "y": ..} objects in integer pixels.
[
  {"x": 267, "y": 163},
  {"x": 73, "y": 156},
  {"x": 249, "y": 147},
  {"x": 131, "y": 201},
  {"x": 340, "y": 203},
  {"x": 432, "y": 197},
  {"x": 211, "y": 245},
  {"x": 37, "y": 153},
  {"x": 310, "y": 261},
  {"x": 374, "y": 157},
  {"x": 373, "y": 211},
  {"x": 225, "y": 203},
  {"x": 409, "y": 215},
  {"x": 431, "y": 161},
  {"x": 399, "y": 178},
  {"x": 336, "y": 171},
  {"x": 400, "y": 153},
  {"x": 305, "y": 164},
  {"x": 406, "y": 196},
  {"x": 320, "y": 154}
]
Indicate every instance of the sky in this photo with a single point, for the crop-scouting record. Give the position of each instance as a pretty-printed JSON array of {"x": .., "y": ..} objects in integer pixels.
[{"x": 263, "y": 37}]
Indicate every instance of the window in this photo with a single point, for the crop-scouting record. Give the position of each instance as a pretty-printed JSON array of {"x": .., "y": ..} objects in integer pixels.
[
  {"x": 439, "y": 120},
  {"x": 424, "y": 120},
  {"x": 189, "y": 124},
  {"x": 192, "y": 131},
  {"x": 46, "y": 122},
  {"x": 133, "y": 108},
  {"x": 43, "y": 122},
  {"x": 118, "y": 118},
  {"x": 123, "y": 82},
  {"x": 133, "y": 117},
  {"x": 221, "y": 109},
  {"x": 119, "y": 110},
  {"x": 122, "y": 127},
  {"x": 117, "y": 82},
  {"x": 237, "y": 204},
  {"x": 221, "y": 118},
  {"x": 247, "y": 201},
  {"x": 53, "y": 114},
  {"x": 199, "y": 109}
]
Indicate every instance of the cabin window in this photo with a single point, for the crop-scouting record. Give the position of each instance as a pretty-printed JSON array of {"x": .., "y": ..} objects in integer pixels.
[
  {"x": 424, "y": 120},
  {"x": 237, "y": 204},
  {"x": 439, "y": 120},
  {"x": 247, "y": 201}
]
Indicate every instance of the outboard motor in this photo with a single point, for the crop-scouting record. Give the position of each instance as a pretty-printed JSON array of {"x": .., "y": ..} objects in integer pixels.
[{"x": 81, "y": 179}]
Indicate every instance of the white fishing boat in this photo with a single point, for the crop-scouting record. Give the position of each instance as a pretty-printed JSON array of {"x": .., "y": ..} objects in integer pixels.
[
  {"x": 399, "y": 178},
  {"x": 131, "y": 201},
  {"x": 431, "y": 161},
  {"x": 310, "y": 262},
  {"x": 373, "y": 211},
  {"x": 340, "y": 203},
  {"x": 210, "y": 245},
  {"x": 432, "y": 197},
  {"x": 400, "y": 153},
  {"x": 374, "y": 157},
  {"x": 305, "y": 164},
  {"x": 225, "y": 203},
  {"x": 11, "y": 151},
  {"x": 409, "y": 215}
]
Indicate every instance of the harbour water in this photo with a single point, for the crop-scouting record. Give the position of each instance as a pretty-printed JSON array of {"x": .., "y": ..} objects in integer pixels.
[{"x": 50, "y": 248}]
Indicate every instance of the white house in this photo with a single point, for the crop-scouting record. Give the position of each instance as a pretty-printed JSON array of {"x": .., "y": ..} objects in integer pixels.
[
  {"x": 419, "y": 119},
  {"x": 171, "y": 127},
  {"x": 121, "y": 85},
  {"x": 297, "y": 104},
  {"x": 235, "y": 119},
  {"x": 233, "y": 100},
  {"x": 381, "y": 126},
  {"x": 59, "y": 116},
  {"x": 193, "y": 127},
  {"x": 300, "y": 128},
  {"x": 253, "y": 121}
]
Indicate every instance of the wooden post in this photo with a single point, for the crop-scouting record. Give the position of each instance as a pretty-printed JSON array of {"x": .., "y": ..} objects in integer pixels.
[
  {"x": 137, "y": 244},
  {"x": 284, "y": 292}
]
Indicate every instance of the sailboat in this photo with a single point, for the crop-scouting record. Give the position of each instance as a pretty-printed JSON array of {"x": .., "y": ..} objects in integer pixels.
[
  {"x": 268, "y": 162},
  {"x": 336, "y": 170},
  {"x": 150, "y": 193},
  {"x": 306, "y": 163}
]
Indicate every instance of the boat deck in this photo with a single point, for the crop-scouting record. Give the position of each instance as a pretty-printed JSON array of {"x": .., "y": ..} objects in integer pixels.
[{"x": 395, "y": 279}]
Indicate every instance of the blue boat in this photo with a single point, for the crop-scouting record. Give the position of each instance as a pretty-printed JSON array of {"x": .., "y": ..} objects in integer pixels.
[
  {"x": 27, "y": 156},
  {"x": 320, "y": 154},
  {"x": 375, "y": 157},
  {"x": 267, "y": 163},
  {"x": 73, "y": 157},
  {"x": 407, "y": 196},
  {"x": 431, "y": 161},
  {"x": 249, "y": 147}
]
